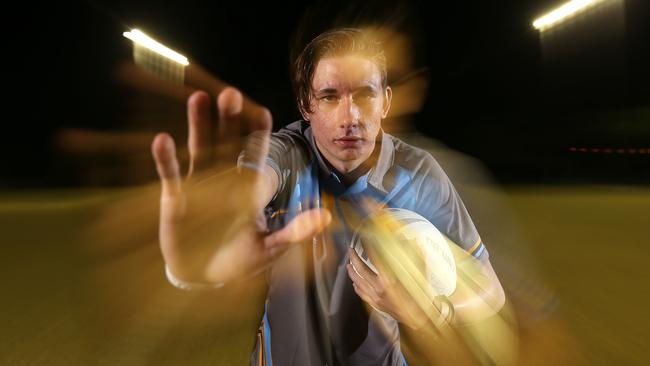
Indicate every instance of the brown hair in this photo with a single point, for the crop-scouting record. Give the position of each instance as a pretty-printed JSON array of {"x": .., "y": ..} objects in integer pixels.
[{"x": 335, "y": 42}]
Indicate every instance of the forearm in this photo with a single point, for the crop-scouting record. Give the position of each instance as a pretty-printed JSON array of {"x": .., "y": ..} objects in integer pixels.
[
  {"x": 434, "y": 346},
  {"x": 478, "y": 293},
  {"x": 478, "y": 296}
]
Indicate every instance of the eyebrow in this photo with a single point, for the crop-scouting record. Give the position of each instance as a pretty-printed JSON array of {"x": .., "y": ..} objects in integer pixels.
[{"x": 326, "y": 91}]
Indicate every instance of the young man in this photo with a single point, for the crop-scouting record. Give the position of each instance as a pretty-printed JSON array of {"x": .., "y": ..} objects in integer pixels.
[{"x": 313, "y": 180}]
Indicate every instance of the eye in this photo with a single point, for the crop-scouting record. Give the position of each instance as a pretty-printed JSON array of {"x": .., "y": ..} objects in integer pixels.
[
  {"x": 367, "y": 95},
  {"x": 329, "y": 98}
]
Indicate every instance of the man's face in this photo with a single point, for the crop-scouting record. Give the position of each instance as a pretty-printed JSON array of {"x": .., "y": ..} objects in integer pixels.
[{"x": 348, "y": 104}]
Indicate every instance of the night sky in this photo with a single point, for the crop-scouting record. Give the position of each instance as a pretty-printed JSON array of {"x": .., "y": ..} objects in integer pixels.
[{"x": 573, "y": 109}]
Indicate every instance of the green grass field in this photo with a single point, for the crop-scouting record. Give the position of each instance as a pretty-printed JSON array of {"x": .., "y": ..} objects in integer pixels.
[{"x": 83, "y": 283}]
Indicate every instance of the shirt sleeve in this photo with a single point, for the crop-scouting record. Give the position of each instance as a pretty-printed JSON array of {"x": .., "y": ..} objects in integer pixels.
[
  {"x": 286, "y": 156},
  {"x": 442, "y": 205}
]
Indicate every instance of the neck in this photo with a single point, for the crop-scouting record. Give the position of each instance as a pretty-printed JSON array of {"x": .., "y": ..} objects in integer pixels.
[
  {"x": 348, "y": 178},
  {"x": 349, "y": 172}
]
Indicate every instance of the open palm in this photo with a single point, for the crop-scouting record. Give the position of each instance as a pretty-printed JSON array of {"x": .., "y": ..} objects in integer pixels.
[{"x": 211, "y": 223}]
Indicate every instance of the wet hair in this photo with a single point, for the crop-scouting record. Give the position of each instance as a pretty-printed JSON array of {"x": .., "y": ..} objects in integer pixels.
[{"x": 335, "y": 42}]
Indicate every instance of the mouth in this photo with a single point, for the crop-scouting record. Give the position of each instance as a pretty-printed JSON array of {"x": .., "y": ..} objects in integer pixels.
[{"x": 349, "y": 141}]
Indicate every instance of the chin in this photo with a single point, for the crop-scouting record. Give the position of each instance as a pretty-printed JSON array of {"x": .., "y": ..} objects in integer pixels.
[{"x": 350, "y": 155}]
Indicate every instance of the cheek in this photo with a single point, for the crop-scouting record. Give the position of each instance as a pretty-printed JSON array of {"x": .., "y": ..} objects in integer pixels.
[
  {"x": 373, "y": 112},
  {"x": 321, "y": 122},
  {"x": 374, "y": 132},
  {"x": 374, "y": 120},
  {"x": 325, "y": 115},
  {"x": 378, "y": 110},
  {"x": 320, "y": 129}
]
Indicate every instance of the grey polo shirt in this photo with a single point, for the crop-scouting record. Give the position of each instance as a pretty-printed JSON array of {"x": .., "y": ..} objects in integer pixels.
[{"x": 313, "y": 315}]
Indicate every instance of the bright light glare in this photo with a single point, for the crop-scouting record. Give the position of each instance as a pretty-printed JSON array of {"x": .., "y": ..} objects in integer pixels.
[
  {"x": 562, "y": 13},
  {"x": 144, "y": 40}
]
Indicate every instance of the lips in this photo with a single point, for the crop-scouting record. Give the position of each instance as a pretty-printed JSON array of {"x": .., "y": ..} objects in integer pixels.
[{"x": 349, "y": 141}]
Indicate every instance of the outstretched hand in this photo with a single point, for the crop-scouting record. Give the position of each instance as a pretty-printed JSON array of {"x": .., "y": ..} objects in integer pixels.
[{"x": 211, "y": 222}]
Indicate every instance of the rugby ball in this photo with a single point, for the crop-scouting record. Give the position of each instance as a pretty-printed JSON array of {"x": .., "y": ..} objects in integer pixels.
[{"x": 410, "y": 246}]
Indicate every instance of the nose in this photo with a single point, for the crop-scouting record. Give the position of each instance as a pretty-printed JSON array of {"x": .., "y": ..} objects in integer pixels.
[{"x": 349, "y": 113}]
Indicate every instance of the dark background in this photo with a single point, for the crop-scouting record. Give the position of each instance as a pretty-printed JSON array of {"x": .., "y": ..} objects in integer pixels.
[
  {"x": 82, "y": 275},
  {"x": 572, "y": 107}
]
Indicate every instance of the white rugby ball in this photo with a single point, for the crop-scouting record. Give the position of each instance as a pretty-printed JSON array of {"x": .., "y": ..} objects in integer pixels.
[{"x": 408, "y": 240}]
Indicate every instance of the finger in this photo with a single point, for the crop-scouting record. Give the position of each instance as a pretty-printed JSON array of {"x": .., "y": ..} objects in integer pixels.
[
  {"x": 303, "y": 226},
  {"x": 363, "y": 295},
  {"x": 229, "y": 105},
  {"x": 358, "y": 279},
  {"x": 258, "y": 117},
  {"x": 257, "y": 143},
  {"x": 360, "y": 275},
  {"x": 164, "y": 153},
  {"x": 361, "y": 287},
  {"x": 385, "y": 271},
  {"x": 361, "y": 268},
  {"x": 199, "y": 130}
]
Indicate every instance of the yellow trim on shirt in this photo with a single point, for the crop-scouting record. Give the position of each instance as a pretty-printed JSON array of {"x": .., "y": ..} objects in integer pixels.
[{"x": 475, "y": 246}]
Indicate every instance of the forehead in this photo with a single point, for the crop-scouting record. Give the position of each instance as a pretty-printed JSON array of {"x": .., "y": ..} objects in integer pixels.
[{"x": 342, "y": 72}]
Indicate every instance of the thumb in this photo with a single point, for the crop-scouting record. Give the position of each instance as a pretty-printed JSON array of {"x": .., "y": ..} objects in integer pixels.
[{"x": 303, "y": 226}]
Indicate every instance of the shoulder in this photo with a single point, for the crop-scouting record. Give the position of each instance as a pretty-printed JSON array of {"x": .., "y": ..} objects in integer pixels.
[
  {"x": 296, "y": 129},
  {"x": 415, "y": 159},
  {"x": 290, "y": 137}
]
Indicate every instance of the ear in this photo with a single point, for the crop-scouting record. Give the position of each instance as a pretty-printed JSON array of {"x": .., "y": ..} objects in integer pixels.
[
  {"x": 304, "y": 114},
  {"x": 388, "y": 97}
]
